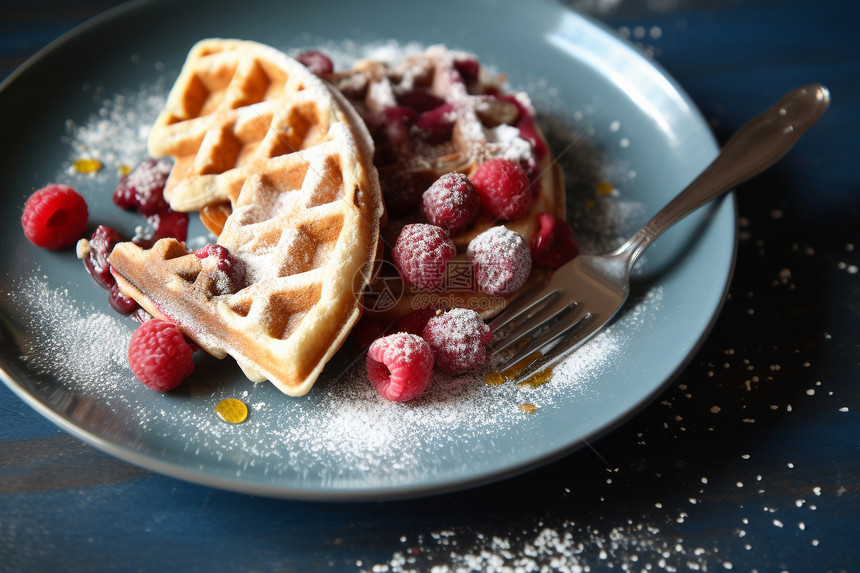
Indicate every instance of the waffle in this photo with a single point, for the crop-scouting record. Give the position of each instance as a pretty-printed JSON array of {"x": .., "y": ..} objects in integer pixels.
[
  {"x": 253, "y": 129},
  {"x": 485, "y": 122}
]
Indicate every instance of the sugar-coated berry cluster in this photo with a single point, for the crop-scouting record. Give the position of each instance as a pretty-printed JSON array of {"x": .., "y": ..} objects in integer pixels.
[{"x": 400, "y": 365}]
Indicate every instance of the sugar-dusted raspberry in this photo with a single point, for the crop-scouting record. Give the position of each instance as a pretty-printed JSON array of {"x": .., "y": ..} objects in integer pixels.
[
  {"x": 501, "y": 260},
  {"x": 399, "y": 366},
  {"x": 421, "y": 254},
  {"x": 451, "y": 202},
  {"x": 317, "y": 62},
  {"x": 143, "y": 188},
  {"x": 55, "y": 216},
  {"x": 555, "y": 242},
  {"x": 226, "y": 271},
  {"x": 503, "y": 187},
  {"x": 458, "y": 339},
  {"x": 159, "y": 355}
]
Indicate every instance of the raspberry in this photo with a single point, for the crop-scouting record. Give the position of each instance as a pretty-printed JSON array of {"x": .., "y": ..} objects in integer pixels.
[
  {"x": 54, "y": 217},
  {"x": 501, "y": 259},
  {"x": 451, "y": 202},
  {"x": 143, "y": 188},
  {"x": 317, "y": 62},
  {"x": 503, "y": 187},
  {"x": 226, "y": 271},
  {"x": 555, "y": 242},
  {"x": 421, "y": 254},
  {"x": 159, "y": 355},
  {"x": 399, "y": 366},
  {"x": 458, "y": 339}
]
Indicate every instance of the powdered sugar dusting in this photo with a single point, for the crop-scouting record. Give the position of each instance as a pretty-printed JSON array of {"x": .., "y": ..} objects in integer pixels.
[{"x": 342, "y": 430}]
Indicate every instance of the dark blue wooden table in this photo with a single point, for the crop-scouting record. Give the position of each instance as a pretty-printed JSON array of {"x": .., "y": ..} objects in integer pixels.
[{"x": 748, "y": 462}]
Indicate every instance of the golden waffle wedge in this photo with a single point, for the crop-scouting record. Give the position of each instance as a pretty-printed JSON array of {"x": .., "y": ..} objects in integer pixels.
[
  {"x": 305, "y": 225},
  {"x": 235, "y": 107},
  {"x": 485, "y": 123}
]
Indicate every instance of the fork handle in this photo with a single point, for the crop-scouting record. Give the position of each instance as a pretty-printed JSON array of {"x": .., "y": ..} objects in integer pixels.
[{"x": 758, "y": 144}]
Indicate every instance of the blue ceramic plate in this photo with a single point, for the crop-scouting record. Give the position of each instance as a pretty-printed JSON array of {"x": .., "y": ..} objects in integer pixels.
[{"x": 627, "y": 137}]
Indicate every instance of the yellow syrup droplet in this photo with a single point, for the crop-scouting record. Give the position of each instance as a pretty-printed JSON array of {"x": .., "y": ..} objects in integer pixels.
[
  {"x": 124, "y": 170},
  {"x": 232, "y": 410},
  {"x": 87, "y": 165},
  {"x": 605, "y": 188},
  {"x": 495, "y": 378},
  {"x": 511, "y": 372},
  {"x": 537, "y": 379},
  {"x": 528, "y": 408}
]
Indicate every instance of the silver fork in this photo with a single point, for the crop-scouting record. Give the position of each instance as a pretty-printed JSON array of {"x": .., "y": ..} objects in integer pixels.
[{"x": 583, "y": 295}]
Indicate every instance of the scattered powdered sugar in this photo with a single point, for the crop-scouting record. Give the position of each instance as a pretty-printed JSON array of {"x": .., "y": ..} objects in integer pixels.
[
  {"x": 116, "y": 134},
  {"x": 342, "y": 429},
  {"x": 82, "y": 347}
]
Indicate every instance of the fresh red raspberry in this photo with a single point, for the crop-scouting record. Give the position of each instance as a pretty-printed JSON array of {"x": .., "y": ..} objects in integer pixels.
[
  {"x": 451, "y": 202},
  {"x": 555, "y": 242},
  {"x": 399, "y": 366},
  {"x": 143, "y": 188},
  {"x": 317, "y": 62},
  {"x": 458, "y": 339},
  {"x": 159, "y": 355},
  {"x": 503, "y": 187},
  {"x": 54, "y": 217},
  {"x": 421, "y": 254},
  {"x": 501, "y": 259},
  {"x": 226, "y": 271}
]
